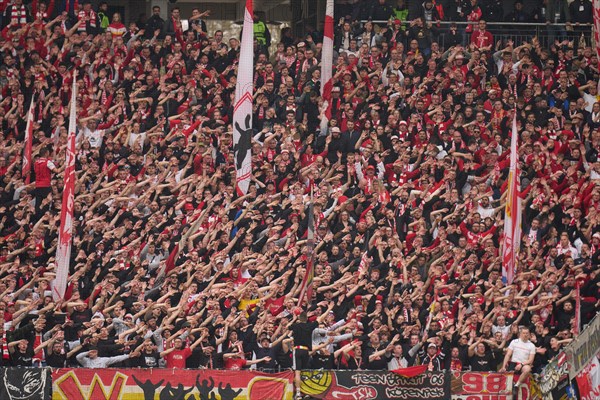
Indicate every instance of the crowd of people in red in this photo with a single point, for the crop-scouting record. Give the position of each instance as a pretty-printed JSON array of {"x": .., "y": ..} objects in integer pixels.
[{"x": 171, "y": 267}]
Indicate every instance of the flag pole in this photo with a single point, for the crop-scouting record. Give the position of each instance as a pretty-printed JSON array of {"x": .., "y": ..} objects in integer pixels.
[
  {"x": 307, "y": 283},
  {"x": 27, "y": 162}
]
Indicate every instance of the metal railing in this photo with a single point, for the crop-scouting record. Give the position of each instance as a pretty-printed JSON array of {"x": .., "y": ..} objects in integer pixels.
[{"x": 518, "y": 32}]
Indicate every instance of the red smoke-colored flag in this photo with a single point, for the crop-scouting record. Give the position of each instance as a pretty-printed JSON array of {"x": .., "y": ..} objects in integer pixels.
[
  {"x": 411, "y": 372},
  {"x": 327, "y": 66},
  {"x": 242, "y": 110},
  {"x": 512, "y": 214},
  {"x": 65, "y": 234},
  {"x": 26, "y": 172}
]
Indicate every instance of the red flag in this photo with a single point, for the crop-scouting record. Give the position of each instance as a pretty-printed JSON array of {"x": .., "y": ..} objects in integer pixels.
[
  {"x": 512, "y": 214},
  {"x": 242, "y": 110},
  {"x": 63, "y": 250},
  {"x": 26, "y": 172},
  {"x": 170, "y": 263},
  {"x": 410, "y": 372}
]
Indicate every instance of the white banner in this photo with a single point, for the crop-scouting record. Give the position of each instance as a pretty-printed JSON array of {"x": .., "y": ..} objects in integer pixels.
[
  {"x": 584, "y": 348},
  {"x": 242, "y": 111}
]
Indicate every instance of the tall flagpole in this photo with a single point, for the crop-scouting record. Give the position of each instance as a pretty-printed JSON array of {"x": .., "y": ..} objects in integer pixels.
[
  {"x": 596, "y": 13},
  {"x": 242, "y": 111},
  {"x": 26, "y": 172},
  {"x": 307, "y": 284},
  {"x": 577, "y": 327},
  {"x": 63, "y": 250},
  {"x": 327, "y": 66},
  {"x": 512, "y": 213}
]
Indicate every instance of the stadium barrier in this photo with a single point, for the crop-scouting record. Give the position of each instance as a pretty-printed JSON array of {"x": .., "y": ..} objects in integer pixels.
[
  {"x": 575, "y": 371},
  {"x": 582, "y": 362},
  {"x": 581, "y": 351},
  {"x": 170, "y": 384}
]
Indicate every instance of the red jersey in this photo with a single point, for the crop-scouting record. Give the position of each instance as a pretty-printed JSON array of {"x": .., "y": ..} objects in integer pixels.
[
  {"x": 43, "y": 172},
  {"x": 176, "y": 358}
]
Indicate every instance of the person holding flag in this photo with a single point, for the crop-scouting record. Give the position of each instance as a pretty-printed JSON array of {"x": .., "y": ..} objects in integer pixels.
[
  {"x": 43, "y": 167},
  {"x": 302, "y": 333}
]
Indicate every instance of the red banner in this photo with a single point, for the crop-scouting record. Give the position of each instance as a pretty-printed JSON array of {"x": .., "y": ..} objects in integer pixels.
[
  {"x": 148, "y": 384},
  {"x": 588, "y": 381},
  {"x": 485, "y": 386}
]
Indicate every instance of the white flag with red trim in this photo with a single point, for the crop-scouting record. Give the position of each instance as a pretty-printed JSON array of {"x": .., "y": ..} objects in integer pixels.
[
  {"x": 365, "y": 263},
  {"x": 512, "y": 213},
  {"x": 65, "y": 234},
  {"x": 327, "y": 66},
  {"x": 242, "y": 111},
  {"x": 26, "y": 171}
]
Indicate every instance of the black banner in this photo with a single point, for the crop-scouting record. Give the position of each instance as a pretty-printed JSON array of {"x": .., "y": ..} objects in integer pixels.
[
  {"x": 370, "y": 385},
  {"x": 563, "y": 390},
  {"x": 25, "y": 384}
]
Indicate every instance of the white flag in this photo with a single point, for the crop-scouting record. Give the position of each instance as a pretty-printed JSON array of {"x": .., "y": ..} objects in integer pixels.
[{"x": 242, "y": 111}]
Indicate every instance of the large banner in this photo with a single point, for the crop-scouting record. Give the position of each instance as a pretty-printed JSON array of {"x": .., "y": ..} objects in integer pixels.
[
  {"x": 25, "y": 384},
  {"x": 242, "y": 110},
  {"x": 562, "y": 391},
  {"x": 553, "y": 374},
  {"x": 370, "y": 385},
  {"x": 169, "y": 384},
  {"x": 583, "y": 349},
  {"x": 485, "y": 386},
  {"x": 588, "y": 381}
]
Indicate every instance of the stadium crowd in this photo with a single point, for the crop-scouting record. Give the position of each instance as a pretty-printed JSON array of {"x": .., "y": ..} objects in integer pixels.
[{"x": 172, "y": 268}]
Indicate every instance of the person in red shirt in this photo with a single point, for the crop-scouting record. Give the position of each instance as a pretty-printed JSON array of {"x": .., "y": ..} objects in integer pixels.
[
  {"x": 236, "y": 360},
  {"x": 43, "y": 168},
  {"x": 481, "y": 38},
  {"x": 178, "y": 354}
]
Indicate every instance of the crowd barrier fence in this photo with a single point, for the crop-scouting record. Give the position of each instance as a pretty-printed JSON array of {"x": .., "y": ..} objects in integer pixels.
[{"x": 518, "y": 32}]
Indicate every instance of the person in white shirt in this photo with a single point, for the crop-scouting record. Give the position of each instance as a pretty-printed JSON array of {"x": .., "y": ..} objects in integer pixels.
[
  {"x": 397, "y": 360},
  {"x": 90, "y": 359},
  {"x": 501, "y": 326},
  {"x": 565, "y": 247},
  {"x": 519, "y": 356},
  {"x": 485, "y": 208}
]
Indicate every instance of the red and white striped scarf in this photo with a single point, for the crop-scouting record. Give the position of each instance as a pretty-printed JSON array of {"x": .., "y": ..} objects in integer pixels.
[
  {"x": 86, "y": 17},
  {"x": 18, "y": 15},
  {"x": 5, "y": 353}
]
